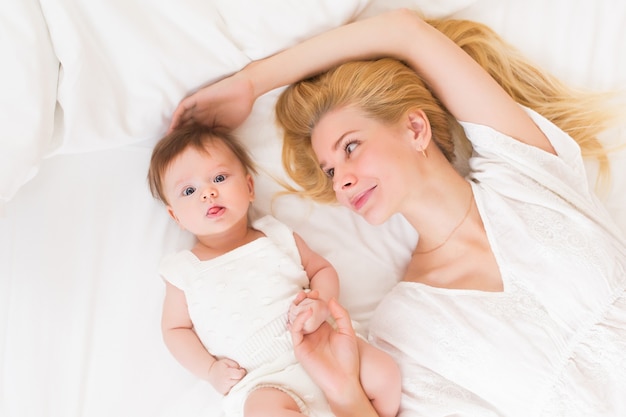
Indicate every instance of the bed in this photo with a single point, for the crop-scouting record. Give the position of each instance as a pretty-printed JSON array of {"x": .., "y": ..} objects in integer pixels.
[{"x": 88, "y": 88}]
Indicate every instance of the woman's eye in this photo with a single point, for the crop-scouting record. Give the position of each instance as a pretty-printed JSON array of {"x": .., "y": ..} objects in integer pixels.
[
  {"x": 188, "y": 191},
  {"x": 219, "y": 178},
  {"x": 330, "y": 172},
  {"x": 350, "y": 147}
]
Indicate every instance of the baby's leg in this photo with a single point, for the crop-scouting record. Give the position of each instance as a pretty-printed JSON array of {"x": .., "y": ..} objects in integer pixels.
[
  {"x": 381, "y": 379},
  {"x": 270, "y": 402}
]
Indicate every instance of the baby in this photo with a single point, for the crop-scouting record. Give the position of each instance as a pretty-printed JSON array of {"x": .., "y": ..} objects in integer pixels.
[{"x": 229, "y": 299}]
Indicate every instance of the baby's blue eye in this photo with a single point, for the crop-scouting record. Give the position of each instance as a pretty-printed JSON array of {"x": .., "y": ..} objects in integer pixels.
[
  {"x": 330, "y": 172},
  {"x": 219, "y": 178},
  {"x": 188, "y": 191}
]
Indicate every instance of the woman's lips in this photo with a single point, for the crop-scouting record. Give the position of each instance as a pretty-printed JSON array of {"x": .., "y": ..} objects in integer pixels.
[{"x": 359, "y": 200}]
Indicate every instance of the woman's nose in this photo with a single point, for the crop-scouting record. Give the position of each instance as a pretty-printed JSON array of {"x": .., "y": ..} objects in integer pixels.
[{"x": 343, "y": 181}]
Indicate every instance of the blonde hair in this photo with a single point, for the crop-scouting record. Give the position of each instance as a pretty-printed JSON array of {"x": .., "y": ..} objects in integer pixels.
[
  {"x": 192, "y": 135},
  {"x": 384, "y": 89}
]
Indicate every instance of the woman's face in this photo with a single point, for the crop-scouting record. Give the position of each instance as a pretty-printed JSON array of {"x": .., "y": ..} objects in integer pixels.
[{"x": 370, "y": 163}]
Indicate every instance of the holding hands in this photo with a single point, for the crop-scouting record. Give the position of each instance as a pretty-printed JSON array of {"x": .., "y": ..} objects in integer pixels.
[
  {"x": 329, "y": 355},
  {"x": 310, "y": 304}
]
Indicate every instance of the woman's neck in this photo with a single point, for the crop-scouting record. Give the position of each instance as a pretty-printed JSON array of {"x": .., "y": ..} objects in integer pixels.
[{"x": 438, "y": 208}]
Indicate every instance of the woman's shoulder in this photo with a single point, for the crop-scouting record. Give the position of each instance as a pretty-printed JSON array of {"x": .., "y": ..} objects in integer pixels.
[
  {"x": 497, "y": 154},
  {"x": 488, "y": 140}
]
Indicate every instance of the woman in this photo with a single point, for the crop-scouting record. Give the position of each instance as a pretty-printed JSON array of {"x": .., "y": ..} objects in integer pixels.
[{"x": 513, "y": 302}]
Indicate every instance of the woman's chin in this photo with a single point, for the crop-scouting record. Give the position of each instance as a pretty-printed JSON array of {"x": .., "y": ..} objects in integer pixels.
[{"x": 374, "y": 218}]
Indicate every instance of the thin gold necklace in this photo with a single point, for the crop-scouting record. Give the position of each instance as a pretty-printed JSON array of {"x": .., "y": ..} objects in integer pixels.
[{"x": 469, "y": 208}]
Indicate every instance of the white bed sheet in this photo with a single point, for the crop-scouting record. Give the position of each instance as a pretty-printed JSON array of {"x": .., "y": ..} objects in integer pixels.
[{"x": 80, "y": 297}]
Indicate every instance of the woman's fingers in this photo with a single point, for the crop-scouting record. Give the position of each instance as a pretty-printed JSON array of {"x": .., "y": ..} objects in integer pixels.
[
  {"x": 341, "y": 316},
  {"x": 181, "y": 114}
]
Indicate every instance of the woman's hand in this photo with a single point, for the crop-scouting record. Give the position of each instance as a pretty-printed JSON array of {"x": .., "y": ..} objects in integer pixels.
[
  {"x": 224, "y": 374},
  {"x": 331, "y": 357},
  {"x": 224, "y": 104}
]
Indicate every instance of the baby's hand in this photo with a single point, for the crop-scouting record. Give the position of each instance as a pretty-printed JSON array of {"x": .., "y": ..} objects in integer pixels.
[
  {"x": 309, "y": 303},
  {"x": 224, "y": 374}
]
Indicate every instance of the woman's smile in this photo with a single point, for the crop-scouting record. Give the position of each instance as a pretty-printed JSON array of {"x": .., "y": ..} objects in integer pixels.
[{"x": 358, "y": 201}]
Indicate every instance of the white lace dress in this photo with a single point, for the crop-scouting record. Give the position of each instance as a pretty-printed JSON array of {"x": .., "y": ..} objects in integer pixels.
[{"x": 553, "y": 343}]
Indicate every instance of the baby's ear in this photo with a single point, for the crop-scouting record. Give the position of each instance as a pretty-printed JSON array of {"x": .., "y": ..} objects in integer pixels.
[{"x": 170, "y": 211}]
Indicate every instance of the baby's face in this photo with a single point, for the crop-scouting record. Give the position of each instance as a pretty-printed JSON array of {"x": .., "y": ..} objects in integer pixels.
[{"x": 208, "y": 191}]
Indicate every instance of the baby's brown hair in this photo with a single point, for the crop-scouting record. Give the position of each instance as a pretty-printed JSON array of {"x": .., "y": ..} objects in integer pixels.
[{"x": 198, "y": 137}]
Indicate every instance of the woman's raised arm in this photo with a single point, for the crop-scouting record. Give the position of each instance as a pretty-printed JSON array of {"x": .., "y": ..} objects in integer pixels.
[
  {"x": 467, "y": 90},
  {"x": 375, "y": 37},
  {"x": 227, "y": 103}
]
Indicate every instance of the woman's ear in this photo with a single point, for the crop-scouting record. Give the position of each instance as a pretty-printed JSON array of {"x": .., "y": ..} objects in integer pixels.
[
  {"x": 250, "y": 186},
  {"x": 420, "y": 127}
]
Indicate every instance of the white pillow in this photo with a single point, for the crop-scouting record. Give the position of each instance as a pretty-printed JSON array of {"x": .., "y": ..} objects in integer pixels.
[
  {"x": 127, "y": 63},
  {"x": 28, "y": 85},
  {"x": 429, "y": 8},
  {"x": 269, "y": 26}
]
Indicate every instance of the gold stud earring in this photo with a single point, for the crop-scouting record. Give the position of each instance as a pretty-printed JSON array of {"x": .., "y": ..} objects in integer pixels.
[{"x": 424, "y": 153}]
